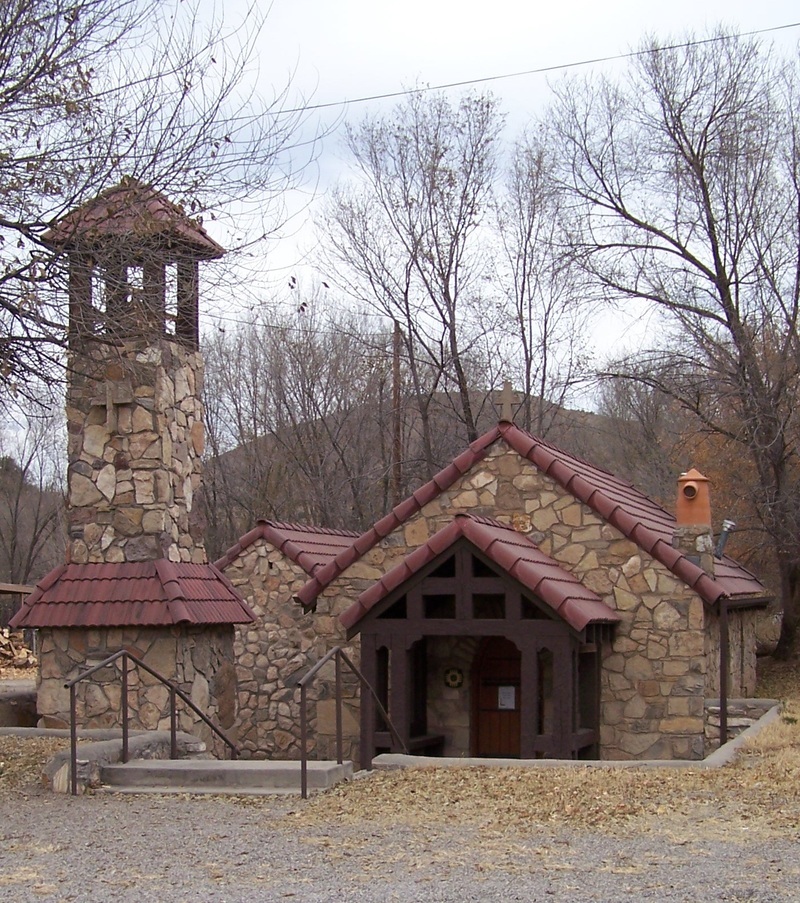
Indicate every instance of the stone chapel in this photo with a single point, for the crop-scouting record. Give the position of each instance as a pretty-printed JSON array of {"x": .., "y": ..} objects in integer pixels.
[{"x": 522, "y": 603}]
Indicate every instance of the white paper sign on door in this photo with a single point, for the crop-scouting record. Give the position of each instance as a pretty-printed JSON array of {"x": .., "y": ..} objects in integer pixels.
[{"x": 506, "y": 698}]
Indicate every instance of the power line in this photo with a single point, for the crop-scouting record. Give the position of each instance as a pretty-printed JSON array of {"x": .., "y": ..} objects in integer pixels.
[{"x": 540, "y": 71}]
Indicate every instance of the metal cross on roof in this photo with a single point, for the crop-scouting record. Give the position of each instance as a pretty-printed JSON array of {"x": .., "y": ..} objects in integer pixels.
[{"x": 505, "y": 399}]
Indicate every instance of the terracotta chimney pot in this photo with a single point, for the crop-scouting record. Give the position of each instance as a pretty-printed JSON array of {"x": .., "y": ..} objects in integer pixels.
[
  {"x": 693, "y": 536},
  {"x": 694, "y": 500}
]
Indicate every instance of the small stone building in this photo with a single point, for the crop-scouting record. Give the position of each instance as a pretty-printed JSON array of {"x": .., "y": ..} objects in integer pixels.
[
  {"x": 521, "y": 603},
  {"x": 136, "y": 575},
  {"x": 269, "y": 565}
]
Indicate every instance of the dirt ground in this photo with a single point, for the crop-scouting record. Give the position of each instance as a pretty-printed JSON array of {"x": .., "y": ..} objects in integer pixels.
[{"x": 426, "y": 834}]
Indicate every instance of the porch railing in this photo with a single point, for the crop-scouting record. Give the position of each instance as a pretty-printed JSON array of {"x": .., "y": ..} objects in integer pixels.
[
  {"x": 340, "y": 658},
  {"x": 174, "y": 692}
]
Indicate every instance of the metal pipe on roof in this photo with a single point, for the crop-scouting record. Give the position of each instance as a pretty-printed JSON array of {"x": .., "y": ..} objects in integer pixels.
[{"x": 727, "y": 526}]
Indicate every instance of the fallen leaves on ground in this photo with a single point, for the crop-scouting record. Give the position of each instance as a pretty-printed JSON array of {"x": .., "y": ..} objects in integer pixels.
[
  {"x": 778, "y": 679},
  {"x": 761, "y": 790},
  {"x": 22, "y": 759}
]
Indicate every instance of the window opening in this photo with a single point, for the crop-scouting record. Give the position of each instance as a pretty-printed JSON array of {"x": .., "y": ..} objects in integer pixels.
[
  {"x": 481, "y": 569},
  {"x": 446, "y": 569},
  {"x": 531, "y": 611},
  {"x": 439, "y": 605},
  {"x": 396, "y": 610},
  {"x": 488, "y": 606}
]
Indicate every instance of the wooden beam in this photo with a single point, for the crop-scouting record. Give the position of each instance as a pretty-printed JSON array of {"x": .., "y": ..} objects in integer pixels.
[{"x": 16, "y": 588}]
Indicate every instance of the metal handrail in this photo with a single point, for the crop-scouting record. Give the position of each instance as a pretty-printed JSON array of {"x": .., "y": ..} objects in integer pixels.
[
  {"x": 174, "y": 691},
  {"x": 339, "y": 656}
]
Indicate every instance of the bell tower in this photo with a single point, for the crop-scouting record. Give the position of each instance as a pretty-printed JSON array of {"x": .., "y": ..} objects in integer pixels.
[{"x": 134, "y": 414}]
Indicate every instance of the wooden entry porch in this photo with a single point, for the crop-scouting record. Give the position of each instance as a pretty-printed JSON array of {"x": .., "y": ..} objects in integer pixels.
[{"x": 546, "y": 706}]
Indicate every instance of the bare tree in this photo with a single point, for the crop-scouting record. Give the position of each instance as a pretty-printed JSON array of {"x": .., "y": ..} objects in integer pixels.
[
  {"x": 32, "y": 522},
  {"x": 645, "y": 433},
  {"x": 542, "y": 286},
  {"x": 92, "y": 91},
  {"x": 685, "y": 186},
  {"x": 406, "y": 238},
  {"x": 299, "y": 414}
]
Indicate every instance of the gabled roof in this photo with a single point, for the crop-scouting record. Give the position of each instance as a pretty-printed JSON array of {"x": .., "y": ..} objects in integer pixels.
[
  {"x": 133, "y": 211},
  {"x": 511, "y": 551},
  {"x": 619, "y": 503},
  {"x": 142, "y": 594},
  {"x": 309, "y": 547}
]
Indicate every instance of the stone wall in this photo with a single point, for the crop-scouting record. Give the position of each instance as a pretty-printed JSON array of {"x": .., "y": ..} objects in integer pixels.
[
  {"x": 284, "y": 643},
  {"x": 135, "y": 437},
  {"x": 450, "y": 708},
  {"x": 654, "y": 672},
  {"x": 197, "y": 659},
  {"x": 742, "y": 713}
]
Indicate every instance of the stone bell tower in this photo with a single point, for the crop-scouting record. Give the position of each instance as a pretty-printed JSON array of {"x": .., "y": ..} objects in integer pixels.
[
  {"x": 136, "y": 575},
  {"x": 134, "y": 414}
]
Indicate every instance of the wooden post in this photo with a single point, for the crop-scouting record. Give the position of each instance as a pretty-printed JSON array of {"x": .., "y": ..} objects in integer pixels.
[
  {"x": 529, "y": 699},
  {"x": 338, "y": 665},
  {"x": 369, "y": 671},
  {"x": 724, "y": 665}
]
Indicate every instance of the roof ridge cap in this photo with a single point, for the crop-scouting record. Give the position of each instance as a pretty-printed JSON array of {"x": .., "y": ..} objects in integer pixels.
[
  {"x": 170, "y": 578},
  {"x": 306, "y": 528}
]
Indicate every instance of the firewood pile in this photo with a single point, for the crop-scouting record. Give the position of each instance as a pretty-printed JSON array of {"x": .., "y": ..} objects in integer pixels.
[{"x": 13, "y": 651}]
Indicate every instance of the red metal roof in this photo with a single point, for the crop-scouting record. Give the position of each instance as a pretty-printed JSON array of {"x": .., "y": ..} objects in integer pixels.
[
  {"x": 636, "y": 516},
  {"x": 131, "y": 210},
  {"x": 511, "y": 551},
  {"x": 142, "y": 594},
  {"x": 309, "y": 547}
]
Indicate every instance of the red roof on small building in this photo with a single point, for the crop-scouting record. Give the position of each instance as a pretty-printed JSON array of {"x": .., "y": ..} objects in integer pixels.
[
  {"x": 511, "y": 551},
  {"x": 309, "y": 547},
  {"x": 133, "y": 210},
  {"x": 619, "y": 503},
  {"x": 141, "y": 594}
]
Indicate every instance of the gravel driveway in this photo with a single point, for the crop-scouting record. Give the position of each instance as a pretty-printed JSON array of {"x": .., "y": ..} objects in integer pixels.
[{"x": 165, "y": 849}]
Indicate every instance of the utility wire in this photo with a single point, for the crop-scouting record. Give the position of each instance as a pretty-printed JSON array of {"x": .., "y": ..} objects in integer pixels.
[{"x": 541, "y": 70}]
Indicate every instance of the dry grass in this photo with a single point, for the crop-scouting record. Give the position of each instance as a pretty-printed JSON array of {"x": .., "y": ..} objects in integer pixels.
[
  {"x": 761, "y": 791},
  {"x": 22, "y": 759}
]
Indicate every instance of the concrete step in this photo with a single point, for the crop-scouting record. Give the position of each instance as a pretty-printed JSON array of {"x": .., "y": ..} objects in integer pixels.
[{"x": 242, "y": 777}]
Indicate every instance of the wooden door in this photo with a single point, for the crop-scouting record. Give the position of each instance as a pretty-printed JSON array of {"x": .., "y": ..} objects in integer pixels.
[{"x": 496, "y": 702}]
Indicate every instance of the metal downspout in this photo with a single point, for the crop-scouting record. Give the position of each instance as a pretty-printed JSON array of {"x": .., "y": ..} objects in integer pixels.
[{"x": 724, "y": 660}]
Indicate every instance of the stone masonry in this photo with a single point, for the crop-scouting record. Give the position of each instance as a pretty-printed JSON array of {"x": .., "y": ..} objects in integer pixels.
[
  {"x": 656, "y": 674},
  {"x": 283, "y": 643},
  {"x": 199, "y": 660},
  {"x": 134, "y": 419}
]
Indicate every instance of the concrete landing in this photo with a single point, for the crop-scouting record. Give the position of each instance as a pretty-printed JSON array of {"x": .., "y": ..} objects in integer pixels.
[
  {"x": 239, "y": 778},
  {"x": 722, "y": 756}
]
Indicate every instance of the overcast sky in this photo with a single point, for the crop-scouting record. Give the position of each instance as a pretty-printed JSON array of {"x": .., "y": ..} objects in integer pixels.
[
  {"x": 342, "y": 50},
  {"x": 337, "y": 51}
]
